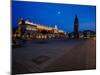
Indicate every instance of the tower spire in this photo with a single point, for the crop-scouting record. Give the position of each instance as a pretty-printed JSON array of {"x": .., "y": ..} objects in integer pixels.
[
  {"x": 76, "y": 27},
  {"x": 56, "y": 27}
]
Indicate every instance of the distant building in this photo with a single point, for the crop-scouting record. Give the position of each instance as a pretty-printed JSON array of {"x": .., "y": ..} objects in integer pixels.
[
  {"x": 89, "y": 33},
  {"x": 76, "y": 28},
  {"x": 28, "y": 29}
]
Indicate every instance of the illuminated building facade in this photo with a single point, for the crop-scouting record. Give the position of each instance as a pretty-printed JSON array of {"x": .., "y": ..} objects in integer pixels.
[{"x": 28, "y": 29}]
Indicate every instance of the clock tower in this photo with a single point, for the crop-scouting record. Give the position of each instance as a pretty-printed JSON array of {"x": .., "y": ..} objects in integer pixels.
[{"x": 76, "y": 27}]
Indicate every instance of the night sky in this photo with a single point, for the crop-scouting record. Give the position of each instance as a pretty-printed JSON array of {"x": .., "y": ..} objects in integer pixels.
[{"x": 51, "y": 14}]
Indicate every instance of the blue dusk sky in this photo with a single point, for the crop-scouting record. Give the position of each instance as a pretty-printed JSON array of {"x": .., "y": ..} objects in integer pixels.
[{"x": 51, "y": 14}]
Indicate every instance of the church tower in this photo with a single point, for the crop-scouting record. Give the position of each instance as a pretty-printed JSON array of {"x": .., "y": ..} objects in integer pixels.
[
  {"x": 76, "y": 27},
  {"x": 56, "y": 27}
]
